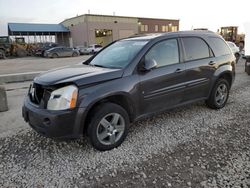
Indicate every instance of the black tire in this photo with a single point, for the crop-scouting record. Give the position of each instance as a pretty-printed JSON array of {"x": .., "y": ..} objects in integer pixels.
[
  {"x": 237, "y": 56},
  {"x": 74, "y": 54},
  {"x": 216, "y": 99},
  {"x": 54, "y": 55},
  {"x": 95, "y": 129},
  {"x": 2, "y": 54}
]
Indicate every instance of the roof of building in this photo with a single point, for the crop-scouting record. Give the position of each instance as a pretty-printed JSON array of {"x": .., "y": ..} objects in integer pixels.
[
  {"x": 117, "y": 17},
  {"x": 34, "y": 28}
]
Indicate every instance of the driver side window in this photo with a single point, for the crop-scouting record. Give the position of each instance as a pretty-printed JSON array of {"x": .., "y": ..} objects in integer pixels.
[{"x": 164, "y": 53}]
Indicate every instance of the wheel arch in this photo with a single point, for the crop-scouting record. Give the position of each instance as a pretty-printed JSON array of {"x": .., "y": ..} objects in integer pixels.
[
  {"x": 120, "y": 99},
  {"x": 227, "y": 76}
]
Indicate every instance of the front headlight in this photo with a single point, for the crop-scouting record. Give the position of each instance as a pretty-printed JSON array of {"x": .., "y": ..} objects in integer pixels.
[{"x": 63, "y": 98}]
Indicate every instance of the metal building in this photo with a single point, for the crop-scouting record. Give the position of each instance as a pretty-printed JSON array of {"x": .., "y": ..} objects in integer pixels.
[{"x": 102, "y": 29}]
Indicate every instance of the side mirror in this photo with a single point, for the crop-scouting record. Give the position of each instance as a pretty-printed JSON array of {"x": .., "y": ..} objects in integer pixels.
[{"x": 149, "y": 64}]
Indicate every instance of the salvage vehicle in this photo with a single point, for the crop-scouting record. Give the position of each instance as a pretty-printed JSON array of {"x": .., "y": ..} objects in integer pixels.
[
  {"x": 5, "y": 46},
  {"x": 235, "y": 49},
  {"x": 61, "y": 52},
  {"x": 128, "y": 80},
  {"x": 92, "y": 49}
]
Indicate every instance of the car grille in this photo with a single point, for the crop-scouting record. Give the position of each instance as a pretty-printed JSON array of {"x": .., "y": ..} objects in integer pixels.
[{"x": 39, "y": 95}]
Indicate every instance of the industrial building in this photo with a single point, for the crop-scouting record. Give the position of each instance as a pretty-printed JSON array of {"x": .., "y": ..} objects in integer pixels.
[{"x": 103, "y": 29}]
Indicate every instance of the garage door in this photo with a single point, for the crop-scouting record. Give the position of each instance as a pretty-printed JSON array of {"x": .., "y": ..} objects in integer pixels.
[{"x": 125, "y": 33}]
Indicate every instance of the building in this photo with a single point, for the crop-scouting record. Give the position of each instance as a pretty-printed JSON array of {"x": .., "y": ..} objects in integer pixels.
[{"x": 103, "y": 29}]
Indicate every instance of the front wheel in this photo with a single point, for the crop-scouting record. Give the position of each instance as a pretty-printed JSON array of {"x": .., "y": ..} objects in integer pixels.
[
  {"x": 108, "y": 126},
  {"x": 219, "y": 95},
  {"x": 2, "y": 54}
]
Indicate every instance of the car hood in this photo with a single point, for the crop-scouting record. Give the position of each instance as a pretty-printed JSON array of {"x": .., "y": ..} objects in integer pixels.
[{"x": 78, "y": 74}]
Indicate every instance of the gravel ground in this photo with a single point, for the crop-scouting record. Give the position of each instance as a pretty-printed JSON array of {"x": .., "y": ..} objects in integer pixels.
[{"x": 191, "y": 146}]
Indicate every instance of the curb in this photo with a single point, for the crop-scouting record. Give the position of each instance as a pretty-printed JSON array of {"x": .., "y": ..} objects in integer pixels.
[{"x": 18, "y": 77}]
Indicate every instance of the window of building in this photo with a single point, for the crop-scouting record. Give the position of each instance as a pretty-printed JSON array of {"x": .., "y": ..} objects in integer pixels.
[
  {"x": 156, "y": 28},
  {"x": 219, "y": 46},
  {"x": 163, "y": 28},
  {"x": 164, "y": 53},
  {"x": 174, "y": 28},
  {"x": 144, "y": 28},
  {"x": 195, "y": 48},
  {"x": 167, "y": 29}
]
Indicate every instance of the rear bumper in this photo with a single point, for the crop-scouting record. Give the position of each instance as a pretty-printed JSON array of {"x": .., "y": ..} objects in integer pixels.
[{"x": 54, "y": 124}]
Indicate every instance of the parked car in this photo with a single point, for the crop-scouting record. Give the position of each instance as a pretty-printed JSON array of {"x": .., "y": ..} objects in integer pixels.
[
  {"x": 61, "y": 52},
  {"x": 42, "y": 47},
  {"x": 81, "y": 49},
  {"x": 92, "y": 49},
  {"x": 235, "y": 49},
  {"x": 128, "y": 80}
]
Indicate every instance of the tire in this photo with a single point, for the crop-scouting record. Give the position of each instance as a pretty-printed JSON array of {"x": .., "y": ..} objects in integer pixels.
[
  {"x": 237, "y": 56},
  {"x": 219, "y": 95},
  {"x": 2, "y": 54},
  {"x": 21, "y": 52},
  {"x": 74, "y": 54},
  {"x": 54, "y": 55},
  {"x": 103, "y": 134}
]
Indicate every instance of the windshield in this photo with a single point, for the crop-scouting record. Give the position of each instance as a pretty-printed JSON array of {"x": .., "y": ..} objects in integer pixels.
[{"x": 119, "y": 54}]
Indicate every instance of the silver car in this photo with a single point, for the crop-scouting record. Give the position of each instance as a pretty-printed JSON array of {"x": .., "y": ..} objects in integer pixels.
[{"x": 61, "y": 52}]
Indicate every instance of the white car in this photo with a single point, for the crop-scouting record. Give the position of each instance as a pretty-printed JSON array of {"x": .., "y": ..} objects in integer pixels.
[
  {"x": 92, "y": 49},
  {"x": 235, "y": 49},
  {"x": 81, "y": 49}
]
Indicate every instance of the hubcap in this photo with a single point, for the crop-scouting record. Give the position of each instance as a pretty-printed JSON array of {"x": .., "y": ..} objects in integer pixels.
[
  {"x": 221, "y": 94},
  {"x": 110, "y": 129}
]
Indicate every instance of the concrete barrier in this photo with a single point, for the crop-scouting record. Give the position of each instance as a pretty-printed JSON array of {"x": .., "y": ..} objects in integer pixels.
[
  {"x": 18, "y": 77},
  {"x": 3, "y": 100}
]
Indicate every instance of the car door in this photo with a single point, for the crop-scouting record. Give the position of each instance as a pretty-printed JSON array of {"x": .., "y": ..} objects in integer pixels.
[
  {"x": 60, "y": 52},
  {"x": 65, "y": 52},
  {"x": 200, "y": 67},
  {"x": 162, "y": 87}
]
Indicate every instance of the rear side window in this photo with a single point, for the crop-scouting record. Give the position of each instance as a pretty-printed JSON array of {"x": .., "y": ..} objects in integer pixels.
[
  {"x": 164, "y": 53},
  {"x": 219, "y": 46},
  {"x": 195, "y": 48}
]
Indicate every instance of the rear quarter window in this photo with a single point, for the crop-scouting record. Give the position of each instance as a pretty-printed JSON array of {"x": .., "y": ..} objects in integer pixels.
[
  {"x": 219, "y": 46},
  {"x": 195, "y": 48}
]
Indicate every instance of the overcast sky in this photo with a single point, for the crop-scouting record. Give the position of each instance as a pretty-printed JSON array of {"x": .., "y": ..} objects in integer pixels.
[{"x": 211, "y": 14}]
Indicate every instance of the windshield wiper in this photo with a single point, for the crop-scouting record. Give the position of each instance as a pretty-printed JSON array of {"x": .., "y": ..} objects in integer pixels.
[{"x": 95, "y": 65}]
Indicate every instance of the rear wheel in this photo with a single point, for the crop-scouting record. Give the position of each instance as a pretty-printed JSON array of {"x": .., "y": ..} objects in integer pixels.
[
  {"x": 74, "y": 54},
  {"x": 219, "y": 95},
  {"x": 54, "y": 56},
  {"x": 108, "y": 126},
  {"x": 237, "y": 56}
]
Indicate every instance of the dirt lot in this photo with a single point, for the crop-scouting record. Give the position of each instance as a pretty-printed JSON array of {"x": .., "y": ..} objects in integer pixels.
[{"x": 191, "y": 146}]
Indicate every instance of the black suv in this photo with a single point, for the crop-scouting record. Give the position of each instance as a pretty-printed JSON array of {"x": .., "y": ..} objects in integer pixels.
[{"x": 130, "y": 79}]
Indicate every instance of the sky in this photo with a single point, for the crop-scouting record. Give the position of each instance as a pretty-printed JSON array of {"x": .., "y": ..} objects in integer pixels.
[{"x": 211, "y": 14}]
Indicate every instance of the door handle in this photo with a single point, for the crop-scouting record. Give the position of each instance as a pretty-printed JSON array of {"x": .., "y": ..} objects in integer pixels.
[
  {"x": 211, "y": 63},
  {"x": 179, "y": 70}
]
